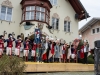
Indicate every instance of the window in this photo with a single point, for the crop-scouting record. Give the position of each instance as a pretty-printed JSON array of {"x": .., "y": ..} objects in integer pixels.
[
  {"x": 55, "y": 23},
  {"x": 93, "y": 31},
  {"x": 40, "y": 13},
  {"x": 36, "y": 13},
  {"x": 97, "y": 30},
  {"x": 30, "y": 13},
  {"x": 66, "y": 26},
  {"x": 53, "y": 2},
  {"x": 6, "y": 13}
]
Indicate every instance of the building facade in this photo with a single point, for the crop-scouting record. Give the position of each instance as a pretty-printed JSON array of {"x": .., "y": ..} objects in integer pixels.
[
  {"x": 22, "y": 16},
  {"x": 91, "y": 31}
]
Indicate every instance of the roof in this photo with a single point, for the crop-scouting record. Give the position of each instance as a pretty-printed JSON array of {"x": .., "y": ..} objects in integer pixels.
[
  {"x": 89, "y": 24},
  {"x": 79, "y": 9}
]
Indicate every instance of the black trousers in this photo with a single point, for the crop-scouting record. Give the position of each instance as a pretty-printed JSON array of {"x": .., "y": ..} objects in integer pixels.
[{"x": 85, "y": 57}]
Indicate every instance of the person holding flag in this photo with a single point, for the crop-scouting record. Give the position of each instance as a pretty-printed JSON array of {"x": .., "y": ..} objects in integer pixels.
[{"x": 37, "y": 40}]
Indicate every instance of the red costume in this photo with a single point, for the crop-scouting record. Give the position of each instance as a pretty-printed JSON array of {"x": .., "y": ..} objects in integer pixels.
[
  {"x": 1, "y": 44},
  {"x": 52, "y": 49},
  {"x": 82, "y": 52},
  {"x": 34, "y": 47},
  {"x": 64, "y": 55}
]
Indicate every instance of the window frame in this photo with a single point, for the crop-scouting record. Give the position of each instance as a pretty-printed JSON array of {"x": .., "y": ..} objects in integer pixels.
[
  {"x": 53, "y": 3},
  {"x": 55, "y": 23},
  {"x": 67, "y": 29},
  {"x": 99, "y": 29},
  {"x": 6, "y": 13},
  {"x": 35, "y": 11},
  {"x": 92, "y": 31}
]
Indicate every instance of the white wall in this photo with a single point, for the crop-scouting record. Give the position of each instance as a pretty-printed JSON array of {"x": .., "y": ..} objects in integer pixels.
[{"x": 64, "y": 9}]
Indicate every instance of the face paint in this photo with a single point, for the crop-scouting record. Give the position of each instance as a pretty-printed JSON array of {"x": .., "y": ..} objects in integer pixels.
[{"x": 20, "y": 38}]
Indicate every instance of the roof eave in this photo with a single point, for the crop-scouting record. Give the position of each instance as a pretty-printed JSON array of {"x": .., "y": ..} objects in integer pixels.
[{"x": 89, "y": 24}]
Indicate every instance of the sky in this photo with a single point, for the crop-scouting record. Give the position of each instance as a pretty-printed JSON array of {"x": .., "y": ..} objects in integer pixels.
[{"x": 93, "y": 8}]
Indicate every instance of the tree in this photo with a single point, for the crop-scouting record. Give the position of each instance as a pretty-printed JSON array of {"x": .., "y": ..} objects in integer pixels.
[{"x": 11, "y": 65}]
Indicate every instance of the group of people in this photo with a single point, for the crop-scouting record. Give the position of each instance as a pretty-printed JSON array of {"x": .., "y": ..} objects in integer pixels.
[
  {"x": 44, "y": 49},
  {"x": 47, "y": 50}
]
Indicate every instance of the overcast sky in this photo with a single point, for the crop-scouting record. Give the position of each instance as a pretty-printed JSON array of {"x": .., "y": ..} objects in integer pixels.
[{"x": 92, "y": 7}]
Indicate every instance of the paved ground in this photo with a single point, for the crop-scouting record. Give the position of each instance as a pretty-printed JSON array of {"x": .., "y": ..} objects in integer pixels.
[{"x": 64, "y": 73}]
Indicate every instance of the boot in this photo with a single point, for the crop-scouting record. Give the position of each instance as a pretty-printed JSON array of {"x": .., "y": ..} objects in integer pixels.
[
  {"x": 26, "y": 58},
  {"x": 0, "y": 56}
]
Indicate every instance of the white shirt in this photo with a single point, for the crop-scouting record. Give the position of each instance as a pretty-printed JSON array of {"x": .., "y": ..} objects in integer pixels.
[
  {"x": 84, "y": 49},
  {"x": 46, "y": 45}
]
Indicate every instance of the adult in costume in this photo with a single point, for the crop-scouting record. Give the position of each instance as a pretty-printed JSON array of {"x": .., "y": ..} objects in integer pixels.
[
  {"x": 9, "y": 44},
  {"x": 86, "y": 50},
  {"x": 45, "y": 54},
  {"x": 1, "y": 45},
  {"x": 52, "y": 51},
  {"x": 67, "y": 51},
  {"x": 37, "y": 40},
  {"x": 63, "y": 53},
  {"x": 57, "y": 51},
  {"x": 18, "y": 45},
  {"x": 26, "y": 48},
  {"x": 41, "y": 49},
  {"x": 33, "y": 52},
  {"x": 73, "y": 53}
]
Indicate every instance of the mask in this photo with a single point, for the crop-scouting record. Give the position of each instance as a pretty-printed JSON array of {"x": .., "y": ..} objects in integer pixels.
[{"x": 10, "y": 36}]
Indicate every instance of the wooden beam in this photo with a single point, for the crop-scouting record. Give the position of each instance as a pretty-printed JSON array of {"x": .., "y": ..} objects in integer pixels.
[
  {"x": 74, "y": 6},
  {"x": 58, "y": 67}
]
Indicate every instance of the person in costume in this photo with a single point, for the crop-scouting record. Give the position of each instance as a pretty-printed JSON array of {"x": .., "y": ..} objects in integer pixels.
[
  {"x": 73, "y": 53},
  {"x": 33, "y": 52},
  {"x": 86, "y": 50},
  {"x": 18, "y": 45},
  {"x": 37, "y": 35},
  {"x": 67, "y": 52},
  {"x": 9, "y": 44},
  {"x": 52, "y": 51},
  {"x": 41, "y": 49},
  {"x": 2, "y": 41},
  {"x": 45, "y": 54},
  {"x": 63, "y": 53},
  {"x": 26, "y": 48},
  {"x": 57, "y": 51}
]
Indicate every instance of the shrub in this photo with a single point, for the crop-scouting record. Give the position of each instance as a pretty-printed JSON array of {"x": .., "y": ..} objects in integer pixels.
[
  {"x": 11, "y": 66},
  {"x": 90, "y": 59}
]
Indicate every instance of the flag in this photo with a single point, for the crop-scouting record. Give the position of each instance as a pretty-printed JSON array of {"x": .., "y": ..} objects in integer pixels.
[{"x": 37, "y": 36}]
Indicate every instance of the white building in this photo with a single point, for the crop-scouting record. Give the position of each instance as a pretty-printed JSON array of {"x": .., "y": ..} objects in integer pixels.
[{"x": 63, "y": 15}]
